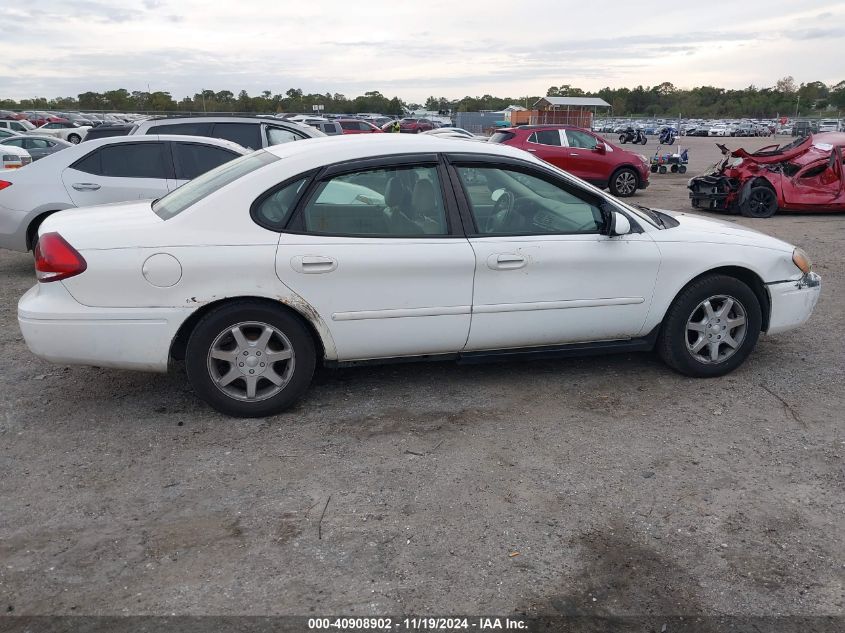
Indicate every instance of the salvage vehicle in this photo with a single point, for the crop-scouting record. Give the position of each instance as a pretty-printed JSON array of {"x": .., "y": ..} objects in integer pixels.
[
  {"x": 583, "y": 154},
  {"x": 99, "y": 172},
  {"x": 805, "y": 175},
  {"x": 255, "y": 272}
]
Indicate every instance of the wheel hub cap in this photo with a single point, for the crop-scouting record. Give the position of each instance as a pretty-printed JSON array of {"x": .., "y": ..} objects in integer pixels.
[{"x": 716, "y": 329}]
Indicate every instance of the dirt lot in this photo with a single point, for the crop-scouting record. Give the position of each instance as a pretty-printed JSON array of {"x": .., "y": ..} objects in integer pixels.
[{"x": 604, "y": 485}]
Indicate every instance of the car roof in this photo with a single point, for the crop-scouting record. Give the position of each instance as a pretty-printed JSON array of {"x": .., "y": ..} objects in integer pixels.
[
  {"x": 147, "y": 138},
  {"x": 43, "y": 137},
  {"x": 334, "y": 149}
]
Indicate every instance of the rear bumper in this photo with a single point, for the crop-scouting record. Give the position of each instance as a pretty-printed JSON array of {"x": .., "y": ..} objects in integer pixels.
[
  {"x": 59, "y": 329},
  {"x": 793, "y": 302},
  {"x": 13, "y": 225}
]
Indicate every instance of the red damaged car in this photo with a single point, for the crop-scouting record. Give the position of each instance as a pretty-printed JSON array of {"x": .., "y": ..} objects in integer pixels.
[{"x": 805, "y": 175}]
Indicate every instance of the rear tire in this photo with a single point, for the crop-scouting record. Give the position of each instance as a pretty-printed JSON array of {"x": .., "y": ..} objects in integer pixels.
[
  {"x": 250, "y": 359},
  {"x": 762, "y": 202},
  {"x": 701, "y": 341},
  {"x": 623, "y": 139},
  {"x": 74, "y": 138}
]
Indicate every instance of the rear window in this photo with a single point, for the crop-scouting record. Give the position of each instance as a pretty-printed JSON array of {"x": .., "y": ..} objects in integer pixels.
[
  {"x": 192, "y": 192},
  {"x": 501, "y": 137}
]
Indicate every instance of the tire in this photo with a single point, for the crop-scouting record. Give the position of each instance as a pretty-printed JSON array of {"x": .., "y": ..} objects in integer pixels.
[
  {"x": 762, "y": 202},
  {"x": 644, "y": 140},
  {"x": 674, "y": 169},
  {"x": 677, "y": 341},
  {"x": 288, "y": 339},
  {"x": 682, "y": 169},
  {"x": 623, "y": 139},
  {"x": 74, "y": 138},
  {"x": 623, "y": 183},
  {"x": 653, "y": 169},
  {"x": 662, "y": 169}
]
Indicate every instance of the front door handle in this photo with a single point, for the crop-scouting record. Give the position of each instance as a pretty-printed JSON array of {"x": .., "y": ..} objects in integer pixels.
[
  {"x": 506, "y": 261},
  {"x": 85, "y": 186},
  {"x": 313, "y": 264}
]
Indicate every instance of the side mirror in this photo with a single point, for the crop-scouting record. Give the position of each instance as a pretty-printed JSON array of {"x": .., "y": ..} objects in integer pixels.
[
  {"x": 601, "y": 148},
  {"x": 619, "y": 224}
]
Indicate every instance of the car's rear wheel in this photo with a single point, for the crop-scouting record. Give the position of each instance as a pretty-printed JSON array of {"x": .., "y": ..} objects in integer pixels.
[
  {"x": 74, "y": 138},
  {"x": 623, "y": 138},
  {"x": 762, "y": 202},
  {"x": 711, "y": 327},
  {"x": 250, "y": 359},
  {"x": 623, "y": 183}
]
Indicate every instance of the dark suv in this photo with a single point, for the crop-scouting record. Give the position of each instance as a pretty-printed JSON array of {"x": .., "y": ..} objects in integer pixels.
[
  {"x": 250, "y": 132},
  {"x": 582, "y": 154}
]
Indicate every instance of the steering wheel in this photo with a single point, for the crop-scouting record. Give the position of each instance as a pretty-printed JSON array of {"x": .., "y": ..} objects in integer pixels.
[{"x": 501, "y": 214}]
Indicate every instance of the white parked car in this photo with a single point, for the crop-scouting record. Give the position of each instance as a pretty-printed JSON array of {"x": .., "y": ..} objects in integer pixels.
[
  {"x": 14, "y": 157},
  {"x": 719, "y": 130},
  {"x": 21, "y": 126},
  {"x": 65, "y": 130},
  {"x": 113, "y": 169},
  {"x": 268, "y": 265}
]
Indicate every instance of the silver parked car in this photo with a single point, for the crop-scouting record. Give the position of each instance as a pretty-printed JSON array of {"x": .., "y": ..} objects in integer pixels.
[{"x": 37, "y": 146}]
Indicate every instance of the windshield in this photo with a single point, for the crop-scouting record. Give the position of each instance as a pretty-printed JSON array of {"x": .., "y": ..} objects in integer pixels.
[{"x": 192, "y": 192}]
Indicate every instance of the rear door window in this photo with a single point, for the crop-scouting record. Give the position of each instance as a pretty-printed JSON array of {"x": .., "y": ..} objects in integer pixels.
[
  {"x": 136, "y": 160},
  {"x": 192, "y": 159},
  {"x": 546, "y": 137},
  {"x": 245, "y": 134}
]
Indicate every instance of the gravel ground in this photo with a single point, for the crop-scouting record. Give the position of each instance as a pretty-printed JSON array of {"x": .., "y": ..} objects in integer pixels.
[{"x": 606, "y": 485}]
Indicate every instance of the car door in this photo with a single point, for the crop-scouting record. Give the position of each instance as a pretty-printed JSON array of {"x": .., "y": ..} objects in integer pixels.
[
  {"x": 194, "y": 159},
  {"x": 546, "y": 271},
  {"x": 816, "y": 186},
  {"x": 376, "y": 250},
  {"x": 38, "y": 147},
  {"x": 120, "y": 172},
  {"x": 585, "y": 160},
  {"x": 550, "y": 146}
]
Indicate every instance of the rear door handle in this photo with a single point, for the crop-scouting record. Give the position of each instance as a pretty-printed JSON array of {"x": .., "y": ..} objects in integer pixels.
[
  {"x": 528, "y": 149},
  {"x": 85, "y": 186},
  {"x": 313, "y": 264},
  {"x": 506, "y": 261}
]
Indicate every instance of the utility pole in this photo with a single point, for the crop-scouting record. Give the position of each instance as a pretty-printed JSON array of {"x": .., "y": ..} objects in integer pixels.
[{"x": 797, "y": 103}]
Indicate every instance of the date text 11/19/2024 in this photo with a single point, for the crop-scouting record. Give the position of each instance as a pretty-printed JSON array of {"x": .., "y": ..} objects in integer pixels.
[{"x": 416, "y": 624}]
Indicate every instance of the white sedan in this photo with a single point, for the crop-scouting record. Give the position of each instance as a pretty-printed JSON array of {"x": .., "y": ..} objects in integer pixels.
[
  {"x": 260, "y": 269},
  {"x": 113, "y": 169},
  {"x": 65, "y": 130}
]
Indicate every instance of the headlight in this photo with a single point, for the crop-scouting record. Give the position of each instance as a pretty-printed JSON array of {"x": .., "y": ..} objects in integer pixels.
[{"x": 800, "y": 259}]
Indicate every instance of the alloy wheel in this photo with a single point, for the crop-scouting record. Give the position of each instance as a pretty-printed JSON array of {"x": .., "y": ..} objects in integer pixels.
[
  {"x": 251, "y": 361},
  {"x": 626, "y": 183},
  {"x": 716, "y": 329}
]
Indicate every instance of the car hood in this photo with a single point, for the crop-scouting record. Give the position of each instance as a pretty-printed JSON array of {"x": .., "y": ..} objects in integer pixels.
[
  {"x": 696, "y": 228},
  {"x": 99, "y": 226}
]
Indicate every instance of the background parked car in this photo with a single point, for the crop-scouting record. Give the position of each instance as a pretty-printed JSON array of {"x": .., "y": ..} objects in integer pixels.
[
  {"x": 108, "y": 170},
  {"x": 415, "y": 126},
  {"x": 250, "y": 132},
  {"x": 65, "y": 130},
  {"x": 21, "y": 126},
  {"x": 37, "y": 146},
  {"x": 358, "y": 126},
  {"x": 12, "y": 157},
  {"x": 109, "y": 129},
  {"x": 4, "y": 133},
  {"x": 583, "y": 154}
]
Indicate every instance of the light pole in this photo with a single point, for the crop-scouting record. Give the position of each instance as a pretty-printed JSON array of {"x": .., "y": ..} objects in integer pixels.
[{"x": 797, "y": 103}]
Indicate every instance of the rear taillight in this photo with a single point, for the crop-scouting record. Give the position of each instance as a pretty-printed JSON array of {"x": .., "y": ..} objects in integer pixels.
[
  {"x": 55, "y": 259},
  {"x": 4, "y": 184}
]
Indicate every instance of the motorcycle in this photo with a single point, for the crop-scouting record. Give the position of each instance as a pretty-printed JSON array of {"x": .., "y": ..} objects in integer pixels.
[
  {"x": 667, "y": 136},
  {"x": 632, "y": 135}
]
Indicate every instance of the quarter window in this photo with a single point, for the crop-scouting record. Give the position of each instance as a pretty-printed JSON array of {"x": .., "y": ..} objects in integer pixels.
[
  {"x": 277, "y": 136},
  {"x": 510, "y": 202},
  {"x": 275, "y": 209},
  {"x": 394, "y": 202}
]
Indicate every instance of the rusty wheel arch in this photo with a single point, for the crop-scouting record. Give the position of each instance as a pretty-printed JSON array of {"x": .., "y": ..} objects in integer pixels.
[{"x": 180, "y": 341}]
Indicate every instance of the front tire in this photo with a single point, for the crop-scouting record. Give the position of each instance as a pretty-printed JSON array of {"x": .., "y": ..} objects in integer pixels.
[
  {"x": 623, "y": 139},
  {"x": 762, "y": 202},
  {"x": 250, "y": 359},
  {"x": 711, "y": 327},
  {"x": 623, "y": 183},
  {"x": 74, "y": 138}
]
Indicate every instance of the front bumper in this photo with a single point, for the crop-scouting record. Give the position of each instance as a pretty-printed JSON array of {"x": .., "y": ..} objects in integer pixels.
[
  {"x": 59, "y": 329},
  {"x": 714, "y": 192},
  {"x": 793, "y": 302}
]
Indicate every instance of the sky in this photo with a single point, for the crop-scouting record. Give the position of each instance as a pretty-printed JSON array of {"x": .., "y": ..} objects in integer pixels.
[{"x": 414, "y": 49}]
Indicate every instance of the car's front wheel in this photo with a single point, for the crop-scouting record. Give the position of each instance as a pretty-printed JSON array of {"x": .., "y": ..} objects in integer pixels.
[
  {"x": 623, "y": 183},
  {"x": 711, "y": 327},
  {"x": 250, "y": 359},
  {"x": 762, "y": 202},
  {"x": 74, "y": 138}
]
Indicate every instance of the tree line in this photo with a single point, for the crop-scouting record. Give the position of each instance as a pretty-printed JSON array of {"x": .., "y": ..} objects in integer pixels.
[{"x": 665, "y": 99}]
